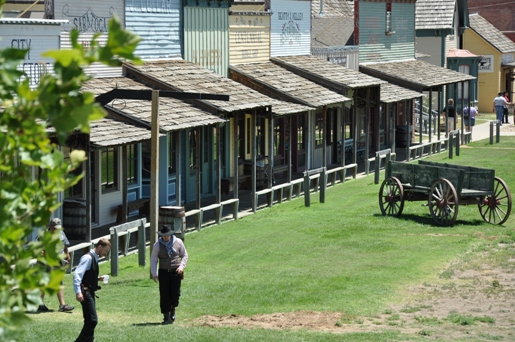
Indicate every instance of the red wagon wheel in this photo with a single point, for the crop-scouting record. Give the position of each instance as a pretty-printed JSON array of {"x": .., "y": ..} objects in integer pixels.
[
  {"x": 443, "y": 202},
  {"x": 496, "y": 208},
  {"x": 391, "y": 197}
]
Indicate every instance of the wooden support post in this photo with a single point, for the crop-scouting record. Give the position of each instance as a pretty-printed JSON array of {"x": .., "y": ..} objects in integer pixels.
[
  {"x": 142, "y": 242},
  {"x": 307, "y": 187},
  {"x": 323, "y": 184},
  {"x": 154, "y": 170},
  {"x": 114, "y": 251}
]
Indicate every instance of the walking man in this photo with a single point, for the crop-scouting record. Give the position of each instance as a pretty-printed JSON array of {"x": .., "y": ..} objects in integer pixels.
[
  {"x": 499, "y": 104},
  {"x": 172, "y": 256},
  {"x": 53, "y": 225},
  {"x": 85, "y": 284}
]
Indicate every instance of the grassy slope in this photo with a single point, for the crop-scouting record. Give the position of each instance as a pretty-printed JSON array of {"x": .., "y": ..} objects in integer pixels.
[{"x": 341, "y": 255}]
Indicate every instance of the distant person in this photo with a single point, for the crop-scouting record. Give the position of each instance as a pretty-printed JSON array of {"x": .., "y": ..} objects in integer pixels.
[
  {"x": 172, "y": 256},
  {"x": 499, "y": 104},
  {"x": 505, "y": 110},
  {"x": 470, "y": 118},
  {"x": 53, "y": 225},
  {"x": 450, "y": 114},
  {"x": 85, "y": 284}
]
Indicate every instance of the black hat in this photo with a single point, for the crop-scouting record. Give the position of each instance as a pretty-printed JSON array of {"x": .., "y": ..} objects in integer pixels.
[{"x": 165, "y": 231}]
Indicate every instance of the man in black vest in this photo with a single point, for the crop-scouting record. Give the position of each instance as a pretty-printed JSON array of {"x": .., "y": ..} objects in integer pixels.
[
  {"x": 85, "y": 283},
  {"x": 172, "y": 256}
]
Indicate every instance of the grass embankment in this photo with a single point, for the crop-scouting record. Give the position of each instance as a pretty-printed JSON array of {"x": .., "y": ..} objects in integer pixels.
[{"x": 338, "y": 256}]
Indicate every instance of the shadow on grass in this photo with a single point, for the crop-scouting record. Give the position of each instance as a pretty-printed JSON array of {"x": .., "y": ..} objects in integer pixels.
[
  {"x": 146, "y": 324},
  {"x": 428, "y": 220}
]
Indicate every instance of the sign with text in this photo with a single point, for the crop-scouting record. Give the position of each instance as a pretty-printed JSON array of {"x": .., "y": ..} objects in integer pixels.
[
  {"x": 486, "y": 64},
  {"x": 249, "y": 38}
]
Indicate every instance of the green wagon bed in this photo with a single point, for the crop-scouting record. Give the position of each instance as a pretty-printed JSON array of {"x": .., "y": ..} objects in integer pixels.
[{"x": 445, "y": 187}]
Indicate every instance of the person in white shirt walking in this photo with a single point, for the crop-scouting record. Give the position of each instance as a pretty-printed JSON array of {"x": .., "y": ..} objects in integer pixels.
[{"x": 85, "y": 284}]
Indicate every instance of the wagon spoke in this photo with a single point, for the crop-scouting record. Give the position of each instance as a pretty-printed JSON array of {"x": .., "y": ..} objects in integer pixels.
[
  {"x": 391, "y": 197},
  {"x": 496, "y": 208},
  {"x": 443, "y": 202}
]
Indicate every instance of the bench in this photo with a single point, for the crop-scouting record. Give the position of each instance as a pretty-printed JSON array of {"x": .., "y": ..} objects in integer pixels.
[
  {"x": 269, "y": 197},
  {"x": 295, "y": 188},
  {"x": 278, "y": 190},
  {"x": 432, "y": 147},
  {"x": 235, "y": 203},
  {"x": 331, "y": 174},
  {"x": 143, "y": 204},
  {"x": 227, "y": 182},
  {"x": 217, "y": 208},
  {"x": 197, "y": 216}
]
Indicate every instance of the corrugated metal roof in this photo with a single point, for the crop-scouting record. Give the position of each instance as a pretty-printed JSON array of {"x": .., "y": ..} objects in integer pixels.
[
  {"x": 414, "y": 74},
  {"x": 491, "y": 34},
  {"x": 278, "y": 80},
  {"x": 434, "y": 14},
  {"x": 173, "y": 114},
  {"x": 337, "y": 74},
  {"x": 27, "y": 21},
  {"x": 184, "y": 76}
]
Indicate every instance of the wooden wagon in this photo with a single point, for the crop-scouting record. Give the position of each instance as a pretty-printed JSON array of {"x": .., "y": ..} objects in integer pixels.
[{"x": 445, "y": 187}]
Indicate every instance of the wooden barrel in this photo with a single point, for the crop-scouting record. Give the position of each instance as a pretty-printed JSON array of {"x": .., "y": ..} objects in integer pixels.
[
  {"x": 74, "y": 219},
  {"x": 175, "y": 217}
]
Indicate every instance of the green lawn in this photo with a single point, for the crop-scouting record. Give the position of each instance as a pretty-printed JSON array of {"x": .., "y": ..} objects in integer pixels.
[{"x": 338, "y": 256}]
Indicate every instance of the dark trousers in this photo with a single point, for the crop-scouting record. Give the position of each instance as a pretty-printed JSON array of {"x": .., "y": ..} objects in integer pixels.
[
  {"x": 505, "y": 116},
  {"x": 169, "y": 290},
  {"x": 89, "y": 312}
]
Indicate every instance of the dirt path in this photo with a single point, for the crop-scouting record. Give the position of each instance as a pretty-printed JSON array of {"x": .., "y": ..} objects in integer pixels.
[{"x": 475, "y": 301}]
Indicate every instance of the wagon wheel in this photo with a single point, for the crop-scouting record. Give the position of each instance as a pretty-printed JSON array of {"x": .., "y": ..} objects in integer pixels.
[
  {"x": 443, "y": 202},
  {"x": 496, "y": 208},
  {"x": 391, "y": 197}
]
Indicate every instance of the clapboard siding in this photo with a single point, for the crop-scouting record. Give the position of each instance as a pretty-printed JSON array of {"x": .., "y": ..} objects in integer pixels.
[
  {"x": 38, "y": 39},
  {"x": 374, "y": 44},
  {"x": 249, "y": 39},
  {"x": 90, "y": 15},
  {"x": 159, "y": 25},
  {"x": 96, "y": 69},
  {"x": 290, "y": 28}
]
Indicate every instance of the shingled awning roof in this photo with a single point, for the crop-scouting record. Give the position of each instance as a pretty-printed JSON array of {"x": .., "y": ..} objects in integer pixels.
[
  {"x": 173, "y": 114},
  {"x": 491, "y": 34},
  {"x": 109, "y": 132},
  {"x": 391, "y": 93},
  {"x": 276, "y": 80},
  {"x": 434, "y": 14},
  {"x": 318, "y": 68},
  {"x": 180, "y": 75},
  {"x": 414, "y": 74},
  {"x": 342, "y": 77}
]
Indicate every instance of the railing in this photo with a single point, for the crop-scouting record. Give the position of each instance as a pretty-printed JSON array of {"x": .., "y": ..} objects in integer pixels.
[{"x": 425, "y": 119}]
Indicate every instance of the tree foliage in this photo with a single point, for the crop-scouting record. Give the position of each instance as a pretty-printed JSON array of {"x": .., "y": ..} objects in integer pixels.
[{"x": 33, "y": 171}]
